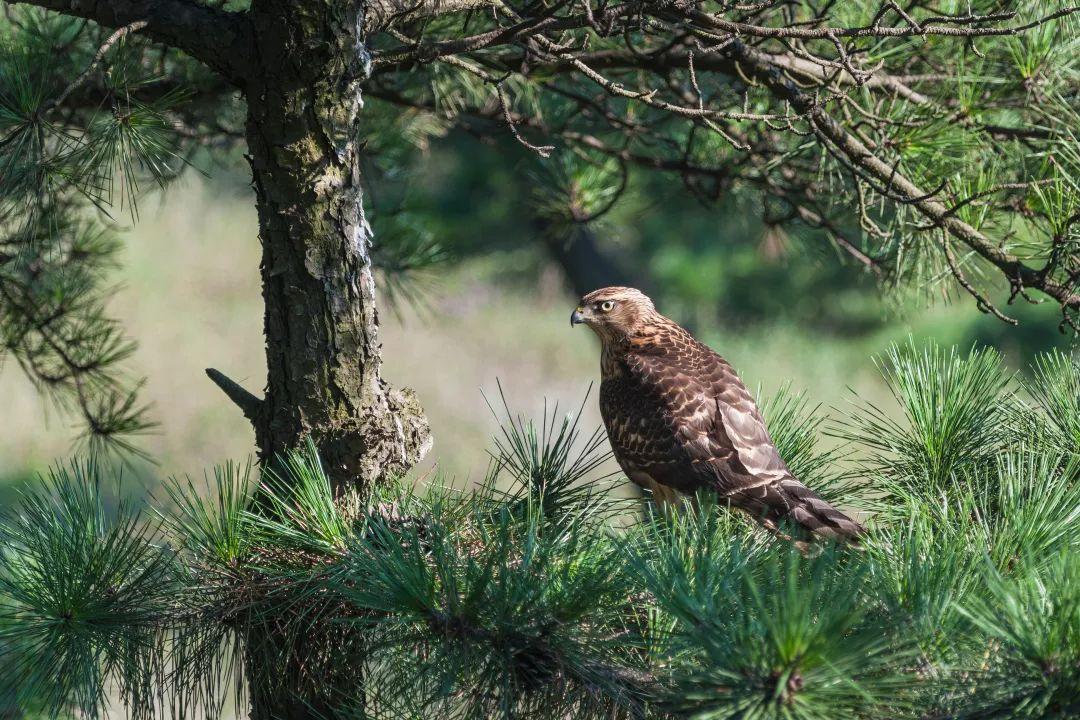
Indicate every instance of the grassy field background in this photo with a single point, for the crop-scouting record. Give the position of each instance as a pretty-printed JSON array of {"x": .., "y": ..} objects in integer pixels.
[{"x": 189, "y": 293}]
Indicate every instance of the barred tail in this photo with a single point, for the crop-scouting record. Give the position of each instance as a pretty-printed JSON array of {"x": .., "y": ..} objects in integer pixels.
[
  {"x": 816, "y": 516},
  {"x": 790, "y": 502}
]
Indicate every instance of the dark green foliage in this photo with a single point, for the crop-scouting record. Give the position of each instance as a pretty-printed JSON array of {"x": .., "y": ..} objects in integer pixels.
[
  {"x": 79, "y": 136},
  {"x": 762, "y": 632},
  {"x": 209, "y": 523},
  {"x": 547, "y": 464},
  {"x": 1054, "y": 386},
  {"x": 531, "y": 595},
  {"x": 406, "y": 256},
  {"x": 84, "y": 594},
  {"x": 299, "y": 508},
  {"x": 512, "y": 617},
  {"x": 1032, "y": 619}
]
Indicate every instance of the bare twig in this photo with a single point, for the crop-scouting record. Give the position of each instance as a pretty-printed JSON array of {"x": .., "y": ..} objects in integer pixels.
[{"x": 116, "y": 37}]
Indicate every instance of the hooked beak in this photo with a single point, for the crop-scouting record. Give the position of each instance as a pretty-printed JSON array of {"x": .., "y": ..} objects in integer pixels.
[{"x": 577, "y": 317}]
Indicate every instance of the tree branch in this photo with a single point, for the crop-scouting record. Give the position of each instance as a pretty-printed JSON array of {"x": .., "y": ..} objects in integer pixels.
[
  {"x": 911, "y": 29},
  {"x": 859, "y": 155},
  {"x": 248, "y": 403},
  {"x": 381, "y": 13},
  {"x": 116, "y": 37},
  {"x": 221, "y": 40}
]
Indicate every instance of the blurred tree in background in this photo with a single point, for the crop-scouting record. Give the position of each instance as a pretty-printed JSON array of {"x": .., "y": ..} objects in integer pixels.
[{"x": 928, "y": 146}]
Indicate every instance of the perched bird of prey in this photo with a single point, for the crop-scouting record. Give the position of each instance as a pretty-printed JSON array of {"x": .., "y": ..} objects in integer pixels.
[{"x": 679, "y": 419}]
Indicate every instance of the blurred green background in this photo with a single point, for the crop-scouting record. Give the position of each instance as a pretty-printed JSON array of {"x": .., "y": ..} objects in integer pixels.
[{"x": 783, "y": 309}]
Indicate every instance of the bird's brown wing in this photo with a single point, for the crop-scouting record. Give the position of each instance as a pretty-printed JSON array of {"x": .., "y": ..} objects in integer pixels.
[
  {"x": 718, "y": 440},
  {"x": 716, "y": 431}
]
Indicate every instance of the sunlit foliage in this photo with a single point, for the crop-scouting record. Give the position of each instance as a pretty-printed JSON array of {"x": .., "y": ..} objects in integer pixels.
[{"x": 539, "y": 594}]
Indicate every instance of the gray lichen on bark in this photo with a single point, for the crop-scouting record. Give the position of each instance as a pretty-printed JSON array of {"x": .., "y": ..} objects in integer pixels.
[{"x": 323, "y": 353}]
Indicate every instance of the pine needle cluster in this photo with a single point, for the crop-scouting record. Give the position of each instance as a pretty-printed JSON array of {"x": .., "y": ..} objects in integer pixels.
[{"x": 541, "y": 594}]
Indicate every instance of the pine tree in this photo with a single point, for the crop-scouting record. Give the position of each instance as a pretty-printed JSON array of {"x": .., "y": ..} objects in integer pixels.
[
  {"x": 931, "y": 144},
  {"x": 537, "y": 594}
]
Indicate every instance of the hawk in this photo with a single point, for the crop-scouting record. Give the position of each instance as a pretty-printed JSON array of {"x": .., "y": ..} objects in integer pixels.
[{"x": 680, "y": 420}]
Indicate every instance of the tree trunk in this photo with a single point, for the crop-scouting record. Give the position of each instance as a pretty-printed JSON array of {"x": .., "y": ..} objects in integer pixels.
[
  {"x": 323, "y": 355},
  {"x": 322, "y": 348}
]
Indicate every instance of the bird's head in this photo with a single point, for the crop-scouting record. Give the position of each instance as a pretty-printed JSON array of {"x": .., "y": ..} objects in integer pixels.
[{"x": 614, "y": 313}]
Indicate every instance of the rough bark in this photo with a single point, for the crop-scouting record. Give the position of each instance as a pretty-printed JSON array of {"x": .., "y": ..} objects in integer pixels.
[
  {"x": 304, "y": 130},
  {"x": 323, "y": 354},
  {"x": 300, "y": 65}
]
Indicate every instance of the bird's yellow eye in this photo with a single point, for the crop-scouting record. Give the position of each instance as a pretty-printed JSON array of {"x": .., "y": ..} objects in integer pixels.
[{"x": 607, "y": 305}]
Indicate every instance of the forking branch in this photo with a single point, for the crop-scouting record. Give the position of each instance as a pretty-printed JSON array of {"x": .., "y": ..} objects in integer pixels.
[
  {"x": 792, "y": 95},
  {"x": 797, "y": 100}
]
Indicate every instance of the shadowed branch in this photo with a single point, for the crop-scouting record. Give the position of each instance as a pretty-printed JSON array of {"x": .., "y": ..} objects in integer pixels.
[{"x": 248, "y": 403}]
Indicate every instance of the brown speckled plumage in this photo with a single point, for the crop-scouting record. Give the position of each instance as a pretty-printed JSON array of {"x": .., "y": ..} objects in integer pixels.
[{"x": 679, "y": 419}]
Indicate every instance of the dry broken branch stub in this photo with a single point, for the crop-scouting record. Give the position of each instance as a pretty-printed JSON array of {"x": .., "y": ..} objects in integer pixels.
[{"x": 248, "y": 403}]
